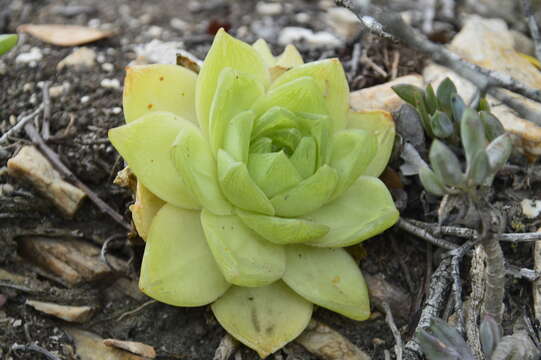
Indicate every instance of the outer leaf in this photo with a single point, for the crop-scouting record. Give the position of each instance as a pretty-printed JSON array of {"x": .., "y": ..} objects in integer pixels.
[
  {"x": 289, "y": 58},
  {"x": 145, "y": 144},
  {"x": 451, "y": 338},
  {"x": 264, "y": 318},
  {"x": 239, "y": 188},
  {"x": 479, "y": 169},
  {"x": 273, "y": 172},
  {"x": 446, "y": 89},
  {"x": 194, "y": 162},
  {"x": 300, "y": 95},
  {"x": 472, "y": 134},
  {"x": 281, "y": 230},
  {"x": 431, "y": 100},
  {"x": 382, "y": 125},
  {"x": 304, "y": 157},
  {"x": 7, "y": 42},
  {"x": 262, "y": 47},
  {"x": 490, "y": 334},
  {"x": 408, "y": 93},
  {"x": 445, "y": 164},
  {"x": 499, "y": 151},
  {"x": 225, "y": 51},
  {"x": 235, "y": 93},
  {"x": 159, "y": 87},
  {"x": 330, "y": 78},
  {"x": 329, "y": 278},
  {"x": 435, "y": 349},
  {"x": 237, "y": 136},
  {"x": 243, "y": 256},
  {"x": 352, "y": 152},
  {"x": 309, "y": 195},
  {"x": 178, "y": 267},
  {"x": 493, "y": 127},
  {"x": 458, "y": 106},
  {"x": 441, "y": 125},
  {"x": 430, "y": 181},
  {"x": 364, "y": 210},
  {"x": 144, "y": 209}
]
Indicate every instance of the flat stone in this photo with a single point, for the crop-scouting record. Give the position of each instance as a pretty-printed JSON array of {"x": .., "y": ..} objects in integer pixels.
[
  {"x": 294, "y": 34},
  {"x": 90, "y": 346},
  {"x": 134, "y": 347},
  {"x": 382, "y": 97},
  {"x": 80, "y": 58},
  {"x": 78, "y": 314},
  {"x": 29, "y": 164}
]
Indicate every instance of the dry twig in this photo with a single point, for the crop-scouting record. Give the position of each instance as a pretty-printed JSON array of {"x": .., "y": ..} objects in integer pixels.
[
  {"x": 424, "y": 234},
  {"x": 35, "y": 348},
  {"x": 534, "y": 28},
  {"x": 228, "y": 345},
  {"x": 22, "y": 122},
  {"x": 398, "y": 347}
]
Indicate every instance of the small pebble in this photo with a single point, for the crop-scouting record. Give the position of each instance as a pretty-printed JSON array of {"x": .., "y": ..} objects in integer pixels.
[
  {"x": 155, "y": 31},
  {"x": 303, "y": 18},
  {"x": 265, "y": 8},
  {"x": 107, "y": 67},
  {"x": 56, "y": 91},
  {"x": 85, "y": 99},
  {"x": 110, "y": 83},
  {"x": 28, "y": 87},
  {"x": 116, "y": 110},
  {"x": 178, "y": 24},
  {"x": 31, "y": 58},
  {"x": 17, "y": 323},
  {"x": 12, "y": 119}
]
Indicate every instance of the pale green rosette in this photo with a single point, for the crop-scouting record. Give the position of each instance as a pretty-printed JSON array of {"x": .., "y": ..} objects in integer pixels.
[{"x": 252, "y": 177}]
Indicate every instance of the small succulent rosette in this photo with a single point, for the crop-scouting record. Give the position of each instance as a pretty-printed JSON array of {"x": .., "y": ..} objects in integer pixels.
[{"x": 252, "y": 177}]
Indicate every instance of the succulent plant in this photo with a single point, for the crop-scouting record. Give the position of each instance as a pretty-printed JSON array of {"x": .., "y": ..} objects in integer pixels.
[
  {"x": 443, "y": 342},
  {"x": 252, "y": 177},
  {"x": 7, "y": 42}
]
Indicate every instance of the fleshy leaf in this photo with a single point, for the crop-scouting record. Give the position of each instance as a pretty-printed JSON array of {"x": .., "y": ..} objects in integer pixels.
[
  {"x": 286, "y": 139},
  {"x": 472, "y": 134},
  {"x": 225, "y": 51},
  {"x": 409, "y": 93},
  {"x": 7, "y": 42},
  {"x": 382, "y": 125},
  {"x": 195, "y": 163},
  {"x": 235, "y": 93},
  {"x": 262, "y": 47},
  {"x": 282, "y": 230},
  {"x": 352, "y": 152},
  {"x": 261, "y": 145},
  {"x": 364, "y": 210},
  {"x": 263, "y": 318},
  {"x": 145, "y": 144},
  {"x": 458, "y": 106},
  {"x": 309, "y": 195},
  {"x": 302, "y": 94},
  {"x": 479, "y": 169},
  {"x": 431, "y": 100},
  {"x": 237, "y": 135},
  {"x": 239, "y": 188},
  {"x": 289, "y": 58},
  {"x": 493, "y": 127},
  {"x": 304, "y": 157},
  {"x": 178, "y": 267},
  {"x": 273, "y": 119},
  {"x": 441, "y": 125},
  {"x": 144, "y": 209},
  {"x": 159, "y": 87},
  {"x": 445, "y": 164},
  {"x": 244, "y": 257},
  {"x": 273, "y": 172},
  {"x": 330, "y": 78},
  {"x": 446, "y": 89},
  {"x": 318, "y": 126},
  {"x": 430, "y": 181},
  {"x": 329, "y": 278}
]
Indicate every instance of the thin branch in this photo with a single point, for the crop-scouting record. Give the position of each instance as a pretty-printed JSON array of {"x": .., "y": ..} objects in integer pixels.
[
  {"x": 534, "y": 28},
  {"x": 398, "y": 347},
  {"x": 391, "y": 23},
  {"x": 457, "y": 255},
  {"x": 137, "y": 309},
  {"x": 35, "y": 348},
  {"x": 425, "y": 234},
  {"x": 22, "y": 122},
  {"x": 228, "y": 345}
]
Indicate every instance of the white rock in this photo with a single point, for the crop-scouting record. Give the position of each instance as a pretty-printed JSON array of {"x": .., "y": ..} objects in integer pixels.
[
  {"x": 302, "y": 17},
  {"x": 110, "y": 83},
  {"x": 294, "y": 34},
  {"x": 17, "y": 323},
  {"x": 344, "y": 22},
  {"x": 116, "y": 110},
  {"x": 85, "y": 99},
  {"x": 82, "y": 57},
  {"x": 107, "y": 67},
  {"x": 32, "y": 57},
  {"x": 179, "y": 24},
  {"x": 28, "y": 87},
  {"x": 155, "y": 31},
  {"x": 159, "y": 52},
  {"x": 78, "y": 314},
  {"x": 265, "y": 8},
  {"x": 56, "y": 91},
  {"x": 531, "y": 208}
]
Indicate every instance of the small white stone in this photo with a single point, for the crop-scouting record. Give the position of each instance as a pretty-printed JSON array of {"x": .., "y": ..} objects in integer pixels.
[
  {"x": 116, "y": 110},
  {"x": 56, "y": 91},
  {"x": 531, "y": 208},
  {"x": 17, "y": 323},
  {"x": 302, "y": 17},
  {"x": 293, "y": 34},
  {"x": 85, "y": 99},
  {"x": 178, "y": 24},
  {"x": 28, "y": 87},
  {"x": 265, "y": 8},
  {"x": 155, "y": 31},
  {"x": 94, "y": 23},
  {"x": 344, "y": 22},
  {"x": 31, "y": 57},
  {"x": 79, "y": 58},
  {"x": 100, "y": 58},
  {"x": 107, "y": 67},
  {"x": 12, "y": 119},
  {"x": 110, "y": 83}
]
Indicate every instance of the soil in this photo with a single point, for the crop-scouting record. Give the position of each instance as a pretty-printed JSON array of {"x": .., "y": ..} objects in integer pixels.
[{"x": 80, "y": 119}]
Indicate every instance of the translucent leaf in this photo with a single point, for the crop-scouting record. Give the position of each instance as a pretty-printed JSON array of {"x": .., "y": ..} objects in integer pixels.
[
  {"x": 281, "y": 230},
  {"x": 273, "y": 172},
  {"x": 144, "y": 209},
  {"x": 159, "y": 87},
  {"x": 472, "y": 134},
  {"x": 195, "y": 163},
  {"x": 273, "y": 119},
  {"x": 329, "y": 278},
  {"x": 300, "y": 95},
  {"x": 237, "y": 136},
  {"x": 261, "y": 145},
  {"x": 352, "y": 151},
  {"x": 430, "y": 182},
  {"x": 225, "y": 51},
  {"x": 239, "y": 188},
  {"x": 318, "y": 126},
  {"x": 265, "y": 52},
  {"x": 7, "y": 42},
  {"x": 286, "y": 139},
  {"x": 178, "y": 267},
  {"x": 382, "y": 125},
  {"x": 330, "y": 78},
  {"x": 304, "y": 157},
  {"x": 441, "y": 125},
  {"x": 235, "y": 93},
  {"x": 364, "y": 210},
  {"x": 146, "y": 144},
  {"x": 264, "y": 318},
  {"x": 289, "y": 58},
  {"x": 244, "y": 257},
  {"x": 309, "y": 195},
  {"x": 445, "y": 164}
]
